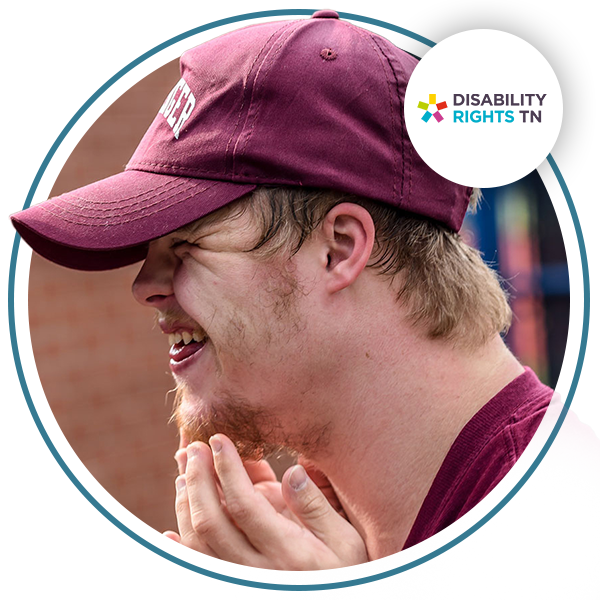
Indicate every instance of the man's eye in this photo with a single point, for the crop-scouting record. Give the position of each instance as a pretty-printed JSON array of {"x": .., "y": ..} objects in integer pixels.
[{"x": 177, "y": 243}]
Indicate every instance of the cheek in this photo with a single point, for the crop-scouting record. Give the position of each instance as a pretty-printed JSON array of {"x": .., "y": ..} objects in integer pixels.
[
  {"x": 186, "y": 274},
  {"x": 215, "y": 274},
  {"x": 195, "y": 286},
  {"x": 222, "y": 307}
]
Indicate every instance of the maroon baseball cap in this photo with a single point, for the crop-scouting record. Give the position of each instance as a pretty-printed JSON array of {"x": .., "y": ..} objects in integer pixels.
[{"x": 315, "y": 102}]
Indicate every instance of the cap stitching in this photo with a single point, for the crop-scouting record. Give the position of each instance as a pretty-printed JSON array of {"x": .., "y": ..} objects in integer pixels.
[
  {"x": 395, "y": 160},
  {"x": 112, "y": 222},
  {"x": 284, "y": 26},
  {"x": 141, "y": 204},
  {"x": 197, "y": 171},
  {"x": 121, "y": 201},
  {"x": 139, "y": 209},
  {"x": 401, "y": 104},
  {"x": 271, "y": 58},
  {"x": 137, "y": 203},
  {"x": 376, "y": 41},
  {"x": 167, "y": 166}
]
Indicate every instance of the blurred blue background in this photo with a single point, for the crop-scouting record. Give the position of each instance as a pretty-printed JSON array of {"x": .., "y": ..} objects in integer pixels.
[{"x": 518, "y": 233}]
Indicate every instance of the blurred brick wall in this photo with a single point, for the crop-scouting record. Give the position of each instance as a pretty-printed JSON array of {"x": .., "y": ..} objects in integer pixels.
[{"x": 101, "y": 362}]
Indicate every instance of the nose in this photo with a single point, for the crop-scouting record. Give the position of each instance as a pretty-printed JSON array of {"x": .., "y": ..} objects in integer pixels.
[{"x": 153, "y": 285}]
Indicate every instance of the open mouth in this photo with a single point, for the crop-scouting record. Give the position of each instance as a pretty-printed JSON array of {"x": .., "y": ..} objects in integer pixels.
[{"x": 184, "y": 344}]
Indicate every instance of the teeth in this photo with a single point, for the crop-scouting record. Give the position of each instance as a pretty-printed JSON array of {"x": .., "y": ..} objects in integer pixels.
[
  {"x": 186, "y": 337},
  {"x": 174, "y": 338}
]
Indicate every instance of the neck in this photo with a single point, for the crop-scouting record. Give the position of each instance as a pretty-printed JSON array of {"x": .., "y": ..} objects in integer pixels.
[{"x": 390, "y": 438}]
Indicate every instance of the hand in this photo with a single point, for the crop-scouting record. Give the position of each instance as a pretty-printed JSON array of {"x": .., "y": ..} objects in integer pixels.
[
  {"x": 264, "y": 479},
  {"x": 260, "y": 472},
  {"x": 323, "y": 483},
  {"x": 243, "y": 515}
]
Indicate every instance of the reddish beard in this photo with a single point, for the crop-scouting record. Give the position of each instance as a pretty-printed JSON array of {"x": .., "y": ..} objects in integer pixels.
[
  {"x": 256, "y": 432},
  {"x": 248, "y": 427}
]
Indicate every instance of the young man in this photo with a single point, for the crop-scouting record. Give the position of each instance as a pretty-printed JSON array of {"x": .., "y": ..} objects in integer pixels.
[{"x": 307, "y": 267}]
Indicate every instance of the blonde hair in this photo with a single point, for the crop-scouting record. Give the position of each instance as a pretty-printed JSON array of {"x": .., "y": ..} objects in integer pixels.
[{"x": 444, "y": 283}]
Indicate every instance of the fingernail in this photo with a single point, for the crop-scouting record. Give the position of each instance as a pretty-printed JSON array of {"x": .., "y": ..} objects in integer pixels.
[
  {"x": 298, "y": 478},
  {"x": 180, "y": 483},
  {"x": 215, "y": 444}
]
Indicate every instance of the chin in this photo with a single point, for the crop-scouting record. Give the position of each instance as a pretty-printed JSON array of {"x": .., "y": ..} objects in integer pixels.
[{"x": 251, "y": 429}]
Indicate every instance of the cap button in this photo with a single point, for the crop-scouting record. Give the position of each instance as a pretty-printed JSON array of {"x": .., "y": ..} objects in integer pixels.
[{"x": 325, "y": 14}]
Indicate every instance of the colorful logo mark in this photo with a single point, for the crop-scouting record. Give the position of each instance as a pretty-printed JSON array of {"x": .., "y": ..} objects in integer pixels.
[{"x": 432, "y": 109}]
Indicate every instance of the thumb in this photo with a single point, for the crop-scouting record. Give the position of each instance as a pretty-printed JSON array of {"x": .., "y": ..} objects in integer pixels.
[{"x": 308, "y": 503}]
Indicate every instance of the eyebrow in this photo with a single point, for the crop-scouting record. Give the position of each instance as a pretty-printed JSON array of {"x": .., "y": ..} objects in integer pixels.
[
  {"x": 220, "y": 218},
  {"x": 192, "y": 227},
  {"x": 196, "y": 227},
  {"x": 201, "y": 227}
]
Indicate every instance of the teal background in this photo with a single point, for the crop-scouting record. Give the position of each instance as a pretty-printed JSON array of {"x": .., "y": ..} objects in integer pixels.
[{"x": 65, "y": 532}]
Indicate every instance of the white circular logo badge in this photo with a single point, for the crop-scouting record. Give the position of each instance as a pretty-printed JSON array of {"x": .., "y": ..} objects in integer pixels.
[{"x": 483, "y": 108}]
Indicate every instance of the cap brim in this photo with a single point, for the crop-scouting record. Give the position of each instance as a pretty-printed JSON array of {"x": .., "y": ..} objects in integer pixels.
[{"x": 109, "y": 224}]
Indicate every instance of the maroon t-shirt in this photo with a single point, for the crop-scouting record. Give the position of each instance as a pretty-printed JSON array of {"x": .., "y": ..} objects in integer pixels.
[{"x": 482, "y": 454}]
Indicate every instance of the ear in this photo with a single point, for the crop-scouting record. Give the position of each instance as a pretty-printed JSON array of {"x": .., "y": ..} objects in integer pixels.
[{"x": 349, "y": 235}]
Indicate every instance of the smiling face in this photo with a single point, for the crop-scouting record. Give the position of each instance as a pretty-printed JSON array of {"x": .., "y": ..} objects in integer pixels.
[{"x": 240, "y": 337}]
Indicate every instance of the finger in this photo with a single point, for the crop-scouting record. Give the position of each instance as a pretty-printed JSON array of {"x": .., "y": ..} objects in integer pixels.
[
  {"x": 187, "y": 535},
  {"x": 315, "y": 474},
  {"x": 208, "y": 521},
  {"x": 255, "y": 516},
  {"x": 259, "y": 470},
  {"x": 271, "y": 490},
  {"x": 323, "y": 483},
  {"x": 312, "y": 508},
  {"x": 184, "y": 442},
  {"x": 172, "y": 535},
  {"x": 181, "y": 459}
]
